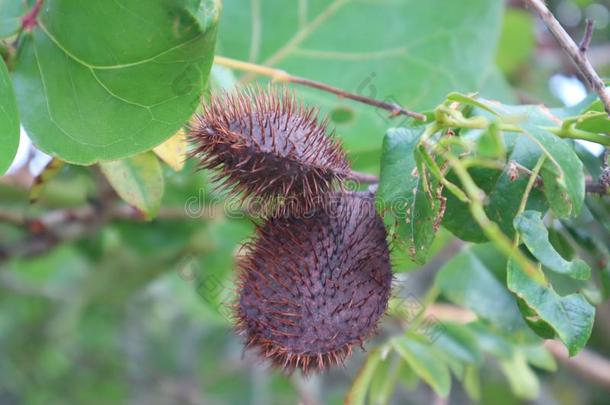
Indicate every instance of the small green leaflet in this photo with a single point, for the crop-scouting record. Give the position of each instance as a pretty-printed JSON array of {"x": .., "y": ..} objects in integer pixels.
[
  {"x": 138, "y": 180},
  {"x": 522, "y": 379},
  {"x": 360, "y": 386},
  {"x": 408, "y": 193},
  {"x": 571, "y": 317},
  {"x": 426, "y": 362},
  {"x": 459, "y": 343},
  {"x": 536, "y": 237}
]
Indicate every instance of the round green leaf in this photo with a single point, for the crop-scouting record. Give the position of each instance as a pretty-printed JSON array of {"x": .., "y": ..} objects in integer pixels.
[
  {"x": 105, "y": 80},
  {"x": 9, "y": 120},
  {"x": 11, "y": 12}
]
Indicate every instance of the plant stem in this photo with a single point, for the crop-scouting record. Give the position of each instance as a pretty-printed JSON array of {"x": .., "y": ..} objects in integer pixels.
[
  {"x": 30, "y": 20},
  {"x": 363, "y": 177},
  {"x": 285, "y": 77},
  {"x": 573, "y": 51},
  {"x": 490, "y": 228},
  {"x": 526, "y": 194},
  {"x": 575, "y": 133},
  {"x": 530, "y": 184}
]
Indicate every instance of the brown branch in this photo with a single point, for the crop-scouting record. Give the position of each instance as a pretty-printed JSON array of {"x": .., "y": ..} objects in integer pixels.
[
  {"x": 587, "y": 364},
  {"x": 515, "y": 171},
  {"x": 586, "y": 39},
  {"x": 66, "y": 225},
  {"x": 285, "y": 77},
  {"x": 572, "y": 50},
  {"x": 597, "y": 188},
  {"x": 364, "y": 178},
  {"x": 394, "y": 109}
]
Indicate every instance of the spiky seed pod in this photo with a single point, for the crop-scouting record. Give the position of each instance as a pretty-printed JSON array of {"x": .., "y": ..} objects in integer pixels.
[
  {"x": 312, "y": 288},
  {"x": 268, "y": 148}
]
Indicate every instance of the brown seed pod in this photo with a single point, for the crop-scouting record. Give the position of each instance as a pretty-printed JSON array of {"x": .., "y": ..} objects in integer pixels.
[
  {"x": 311, "y": 288},
  {"x": 268, "y": 148}
]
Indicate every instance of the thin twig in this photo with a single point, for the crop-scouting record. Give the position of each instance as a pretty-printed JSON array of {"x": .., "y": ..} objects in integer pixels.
[
  {"x": 586, "y": 364},
  {"x": 282, "y": 76},
  {"x": 586, "y": 39},
  {"x": 572, "y": 50},
  {"x": 30, "y": 20},
  {"x": 363, "y": 177},
  {"x": 62, "y": 226},
  {"x": 515, "y": 171}
]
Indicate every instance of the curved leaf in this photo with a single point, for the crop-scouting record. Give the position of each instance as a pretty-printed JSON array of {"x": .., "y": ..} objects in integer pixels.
[
  {"x": 425, "y": 362},
  {"x": 522, "y": 379},
  {"x": 9, "y": 120},
  {"x": 571, "y": 317},
  {"x": 536, "y": 237},
  {"x": 360, "y": 386},
  {"x": 174, "y": 151},
  {"x": 459, "y": 343},
  {"x": 562, "y": 173},
  {"x": 138, "y": 180},
  {"x": 84, "y": 103},
  {"x": 407, "y": 194}
]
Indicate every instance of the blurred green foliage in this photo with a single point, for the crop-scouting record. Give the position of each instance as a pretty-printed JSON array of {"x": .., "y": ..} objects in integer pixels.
[{"x": 99, "y": 306}]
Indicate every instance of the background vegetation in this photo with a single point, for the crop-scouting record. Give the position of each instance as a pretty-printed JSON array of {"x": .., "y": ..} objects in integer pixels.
[{"x": 104, "y": 303}]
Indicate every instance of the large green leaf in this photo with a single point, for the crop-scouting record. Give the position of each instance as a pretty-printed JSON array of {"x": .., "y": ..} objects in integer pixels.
[
  {"x": 570, "y": 317},
  {"x": 101, "y": 81},
  {"x": 408, "y": 195},
  {"x": 9, "y": 120},
  {"x": 426, "y": 362},
  {"x": 11, "y": 12},
  {"x": 411, "y": 52},
  {"x": 138, "y": 180},
  {"x": 536, "y": 237},
  {"x": 466, "y": 281}
]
